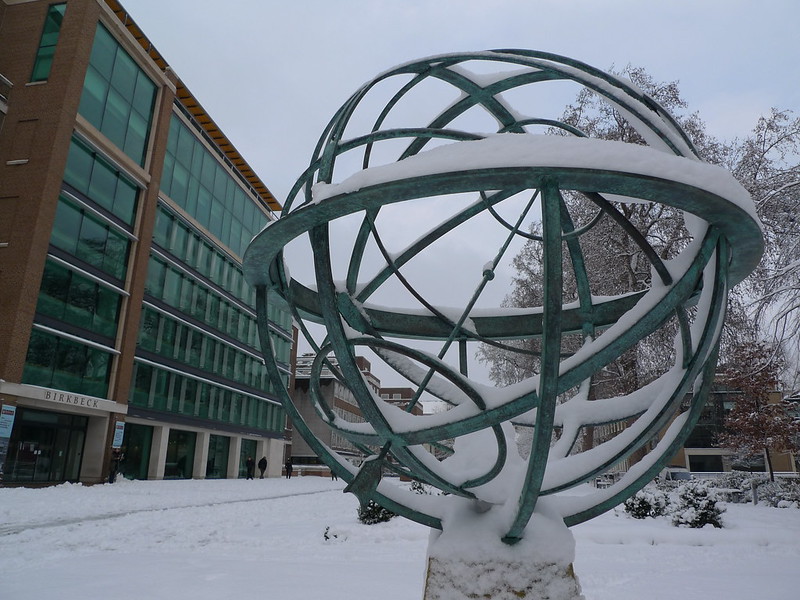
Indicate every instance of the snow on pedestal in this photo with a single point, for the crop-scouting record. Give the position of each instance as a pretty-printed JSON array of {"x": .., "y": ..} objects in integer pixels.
[{"x": 469, "y": 560}]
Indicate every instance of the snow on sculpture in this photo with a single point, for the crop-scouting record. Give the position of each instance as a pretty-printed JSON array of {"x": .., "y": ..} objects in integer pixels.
[{"x": 446, "y": 143}]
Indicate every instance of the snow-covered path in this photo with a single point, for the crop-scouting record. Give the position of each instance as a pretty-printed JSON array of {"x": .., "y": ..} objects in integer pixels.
[{"x": 266, "y": 538}]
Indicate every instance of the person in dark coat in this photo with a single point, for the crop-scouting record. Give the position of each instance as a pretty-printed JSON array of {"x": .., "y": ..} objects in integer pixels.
[
  {"x": 262, "y": 466},
  {"x": 116, "y": 458},
  {"x": 250, "y": 465},
  {"x": 289, "y": 468}
]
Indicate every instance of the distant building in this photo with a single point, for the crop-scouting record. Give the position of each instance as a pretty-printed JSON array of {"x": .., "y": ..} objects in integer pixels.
[
  {"x": 701, "y": 454},
  {"x": 124, "y": 215},
  {"x": 341, "y": 401},
  {"x": 402, "y": 397}
]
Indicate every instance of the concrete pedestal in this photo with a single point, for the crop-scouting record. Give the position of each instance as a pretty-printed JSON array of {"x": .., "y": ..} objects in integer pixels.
[
  {"x": 493, "y": 580},
  {"x": 467, "y": 559}
]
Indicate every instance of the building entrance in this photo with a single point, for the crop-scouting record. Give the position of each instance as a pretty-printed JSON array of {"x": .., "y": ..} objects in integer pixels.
[{"x": 45, "y": 447}]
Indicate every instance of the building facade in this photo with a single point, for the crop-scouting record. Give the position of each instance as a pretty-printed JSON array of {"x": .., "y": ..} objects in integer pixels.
[
  {"x": 124, "y": 214},
  {"x": 701, "y": 452},
  {"x": 341, "y": 401}
]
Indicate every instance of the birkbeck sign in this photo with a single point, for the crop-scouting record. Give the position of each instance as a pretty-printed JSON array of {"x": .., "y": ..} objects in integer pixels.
[
  {"x": 74, "y": 399},
  {"x": 60, "y": 397}
]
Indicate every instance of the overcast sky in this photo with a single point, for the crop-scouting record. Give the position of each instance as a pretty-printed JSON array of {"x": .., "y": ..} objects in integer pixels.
[{"x": 271, "y": 73}]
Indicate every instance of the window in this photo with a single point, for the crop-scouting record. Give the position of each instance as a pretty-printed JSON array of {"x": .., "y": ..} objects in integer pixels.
[
  {"x": 217, "y": 463},
  {"x": 47, "y": 43},
  {"x": 100, "y": 182},
  {"x": 72, "y": 298},
  {"x": 89, "y": 239},
  {"x": 194, "y": 178},
  {"x": 156, "y": 273},
  {"x": 60, "y": 363},
  {"x": 118, "y": 98}
]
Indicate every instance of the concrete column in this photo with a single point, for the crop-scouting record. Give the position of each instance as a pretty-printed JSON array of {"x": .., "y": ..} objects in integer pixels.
[
  {"x": 158, "y": 452},
  {"x": 233, "y": 457},
  {"x": 274, "y": 456},
  {"x": 94, "y": 450},
  {"x": 200, "y": 455}
]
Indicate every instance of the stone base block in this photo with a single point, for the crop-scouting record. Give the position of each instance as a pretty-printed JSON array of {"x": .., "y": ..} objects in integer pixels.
[{"x": 497, "y": 580}]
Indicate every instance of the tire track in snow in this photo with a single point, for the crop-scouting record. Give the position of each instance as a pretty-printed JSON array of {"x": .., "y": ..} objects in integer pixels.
[{"x": 15, "y": 529}]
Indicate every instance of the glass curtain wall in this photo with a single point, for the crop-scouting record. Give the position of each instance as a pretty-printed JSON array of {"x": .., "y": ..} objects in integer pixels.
[
  {"x": 218, "y": 450},
  {"x": 198, "y": 183},
  {"x": 198, "y": 351},
  {"x": 180, "y": 454},
  {"x": 72, "y": 345},
  {"x": 136, "y": 446},
  {"x": 118, "y": 97}
]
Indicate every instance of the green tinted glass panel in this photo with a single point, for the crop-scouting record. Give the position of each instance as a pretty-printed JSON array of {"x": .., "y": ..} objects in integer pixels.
[
  {"x": 125, "y": 200},
  {"x": 47, "y": 43},
  {"x": 53, "y": 291},
  {"x": 115, "y": 118},
  {"x": 118, "y": 97},
  {"x": 100, "y": 182},
  {"x": 80, "y": 162},
  {"x": 103, "y": 184},
  {"x": 92, "y": 242},
  {"x": 104, "y": 52},
  {"x": 67, "y": 365},
  {"x": 66, "y": 227},
  {"x": 116, "y": 257},
  {"x": 156, "y": 270},
  {"x": 89, "y": 239},
  {"x": 137, "y": 443},
  {"x": 93, "y": 99},
  {"x": 195, "y": 179},
  {"x": 123, "y": 78}
]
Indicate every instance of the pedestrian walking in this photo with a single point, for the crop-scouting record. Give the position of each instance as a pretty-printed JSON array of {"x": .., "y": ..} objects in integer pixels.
[
  {"x": 250, "y": 465},
  {"x": 288, "y": 468},
  {"x": 262, "y": 466}
]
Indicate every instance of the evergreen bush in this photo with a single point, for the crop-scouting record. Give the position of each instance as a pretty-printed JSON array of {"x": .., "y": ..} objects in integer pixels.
[
  {"x": 647, "y": 502},
  {"x": 696, "y": 505},
  {"x": 374, "y": 513}
]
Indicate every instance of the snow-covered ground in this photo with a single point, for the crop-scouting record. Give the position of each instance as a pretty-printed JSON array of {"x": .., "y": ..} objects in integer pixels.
[{"x": 267, "y": 539}]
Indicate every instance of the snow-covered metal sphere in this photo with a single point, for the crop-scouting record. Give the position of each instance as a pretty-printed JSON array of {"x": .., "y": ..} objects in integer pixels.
[{"x": 422, "y": 187}]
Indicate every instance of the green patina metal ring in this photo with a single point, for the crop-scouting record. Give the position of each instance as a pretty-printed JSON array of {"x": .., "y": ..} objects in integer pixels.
[{"x": 441, "y": 160}]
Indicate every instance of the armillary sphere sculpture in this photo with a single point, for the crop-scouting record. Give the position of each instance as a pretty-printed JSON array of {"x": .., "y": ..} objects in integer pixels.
[{"x": 470, "y": 158}]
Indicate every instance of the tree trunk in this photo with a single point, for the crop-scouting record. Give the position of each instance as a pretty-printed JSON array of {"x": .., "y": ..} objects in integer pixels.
[{"x": 769, "y": 464}]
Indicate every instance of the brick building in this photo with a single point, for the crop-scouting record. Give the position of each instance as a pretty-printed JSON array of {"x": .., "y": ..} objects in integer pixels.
[{"x": 124, "y": 214}]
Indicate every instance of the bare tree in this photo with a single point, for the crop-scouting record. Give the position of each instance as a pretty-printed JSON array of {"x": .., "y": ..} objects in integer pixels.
[
  {"x": 615, "y": 263},
  {"x": 767, "y": 164}
]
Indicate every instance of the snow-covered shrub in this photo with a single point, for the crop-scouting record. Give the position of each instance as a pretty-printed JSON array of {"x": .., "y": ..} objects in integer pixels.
[
  {"x": 737, "y": 480},
  {"x": 420, "y": 488},
  {"x": 334, "y": 535},
  {"x": 696, "y": 504},
  {"x": 781, "y": 493},
  {"x": 647, "y": 502},
  {"x": 374, "y": 513},
  {"x": 667, "y": 486},
  {"x": 733, "y": 480}
]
